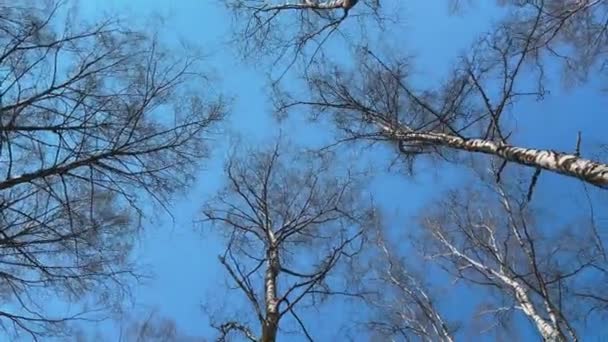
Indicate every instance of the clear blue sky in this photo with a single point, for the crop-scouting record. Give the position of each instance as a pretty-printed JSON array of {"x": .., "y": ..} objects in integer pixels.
[{"x": 185, "y": 263}]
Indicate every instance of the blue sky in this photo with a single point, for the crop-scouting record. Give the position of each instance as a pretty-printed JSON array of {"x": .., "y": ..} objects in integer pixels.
[{"x": 184, "y": 261}]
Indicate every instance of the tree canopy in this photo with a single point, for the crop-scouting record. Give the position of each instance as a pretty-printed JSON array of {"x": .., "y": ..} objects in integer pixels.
[{"x": 358, "y": 190}]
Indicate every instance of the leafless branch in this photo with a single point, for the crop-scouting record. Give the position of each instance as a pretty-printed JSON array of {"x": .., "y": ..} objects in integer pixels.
[
  {"x": 287, "y": 207},
  {"x": 94, "y": 119}
]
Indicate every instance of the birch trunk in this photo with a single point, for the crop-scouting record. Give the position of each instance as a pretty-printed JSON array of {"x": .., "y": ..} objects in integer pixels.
[
  {"x": 567, "y": 164},
  {"x": 271, "y": 322},
  {"x": 415, "y": 291},
  {"x": 548, "y": 331},
  {"x": 310, "y": 4}
]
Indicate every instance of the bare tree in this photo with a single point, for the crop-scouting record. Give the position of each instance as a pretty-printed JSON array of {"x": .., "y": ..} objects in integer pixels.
[
  {"x": 403, "y": 309},
  {"x": 290, "y": 222},
  {"x": 573, "y": 32},
  {"x": 375, "y": 102},
  {"x": 95, "y": 118},
  {"x": 494, "y": 240},
  {"x": 260, "y": 28},
  {"x": 372, "y": 98}
]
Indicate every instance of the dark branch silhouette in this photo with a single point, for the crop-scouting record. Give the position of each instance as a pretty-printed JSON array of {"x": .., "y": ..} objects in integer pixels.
[
  {"x": 492, "y": 238},
  {"x": 95, "y": 119},
  {"x": 290, "y": 221}
]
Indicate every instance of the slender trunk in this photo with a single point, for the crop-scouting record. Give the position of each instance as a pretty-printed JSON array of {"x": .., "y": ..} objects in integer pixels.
[
  {"x": 414, "y": 291},
  {"x": 526, "y": 245},
  {"x": 307, "y": 5},
  {"x": 567, "y": 164},
  {"x": 548, "y": 331},
  {"x": 271, "y": 322},
  {"x": 439, "y": 325}
]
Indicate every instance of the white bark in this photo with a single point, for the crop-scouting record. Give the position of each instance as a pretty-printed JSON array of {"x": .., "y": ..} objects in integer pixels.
[
  {"x": 312, "y": 4},
  {"x": 548, "y": 331},
  {"x": 567, "y": 164},
  {"x": 532, "y": 260},
  {"x": 271, "y": 321}
]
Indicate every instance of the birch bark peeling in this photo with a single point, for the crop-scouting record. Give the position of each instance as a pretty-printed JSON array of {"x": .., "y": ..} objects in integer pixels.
[{"x": 567, "y": 164}]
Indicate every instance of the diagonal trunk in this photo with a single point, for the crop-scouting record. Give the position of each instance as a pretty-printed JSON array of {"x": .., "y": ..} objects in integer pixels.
[
  {"x": 415, "y": 291},
  {"x": 548, "y": 331},
  {"x": 271, "y": 321},
  {"x": 567, "y": 164},
  {"x": 309, "y": 5}
]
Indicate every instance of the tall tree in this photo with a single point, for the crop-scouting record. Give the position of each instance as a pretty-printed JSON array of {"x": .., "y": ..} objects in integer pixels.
[
  {"x": 492, "y": 238},
  {"x": 290, "y": 221},
  {"x": 373, "y": 98},
  {"x": 489, "y": 240},
  {"x": 402, "y": 305},
  {"x": 95, "y": 118},
  {"x": 265, "y": 28},
  {"x": 572, "y": 32}
]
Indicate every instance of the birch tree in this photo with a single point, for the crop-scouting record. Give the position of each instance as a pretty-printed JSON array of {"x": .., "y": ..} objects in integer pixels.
[
  {"x": 571, "y": 32},
  {"x": 294, "y": 31},
  {"x": 290, "y": 223},
  {"x": 370, "y": 97},
  {"x": 404, "y": 309},
  {"x": 494, "y": 241},
  {"x": 96, "y": 120}
]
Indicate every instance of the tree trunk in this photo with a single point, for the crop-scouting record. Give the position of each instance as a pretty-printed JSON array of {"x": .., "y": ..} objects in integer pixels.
[
  {"x": 567, "y": 164},
  {"x": 271, "y": 322},
  {"x": 548, "y": 331}
]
